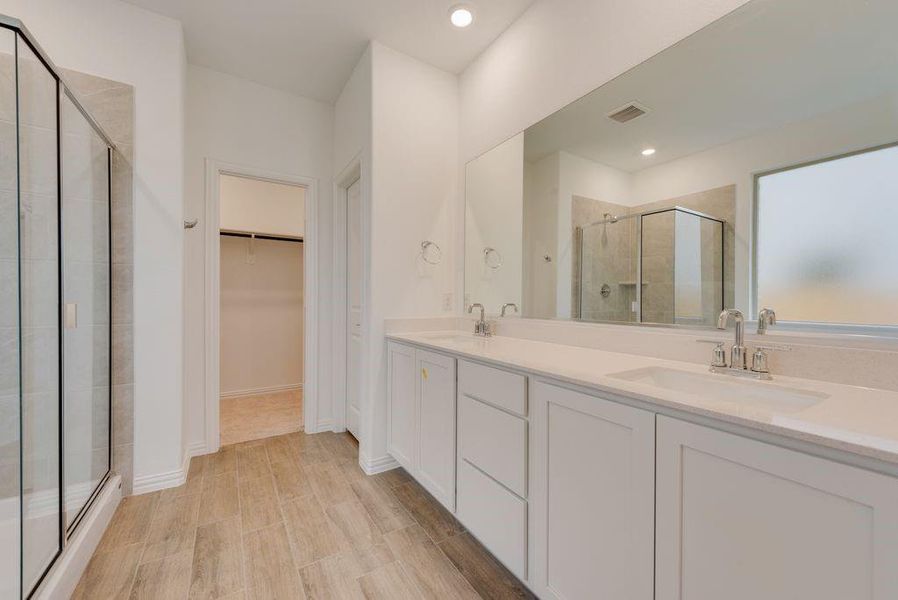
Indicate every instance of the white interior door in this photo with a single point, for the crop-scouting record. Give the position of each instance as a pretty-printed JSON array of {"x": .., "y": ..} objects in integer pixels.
[{"x": 353, "y": 305}]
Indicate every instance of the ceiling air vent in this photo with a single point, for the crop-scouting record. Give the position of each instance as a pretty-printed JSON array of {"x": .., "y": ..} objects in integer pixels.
[{"x": 628, "y": 112}]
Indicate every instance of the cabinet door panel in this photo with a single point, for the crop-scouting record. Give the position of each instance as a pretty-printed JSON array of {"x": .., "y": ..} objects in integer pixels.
[
  {"x": 592, "y": 496},
  {"x": 742, "y": 519},
  {"x": 436, "y": 425},
  {"x": 401, "y": 380}
]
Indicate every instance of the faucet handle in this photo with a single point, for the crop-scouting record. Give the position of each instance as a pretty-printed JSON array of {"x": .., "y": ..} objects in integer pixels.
[
  {"x": 719, "y": 357},
  {"x": 759, "y": 361},
  {"x": 759, "y": 358}
]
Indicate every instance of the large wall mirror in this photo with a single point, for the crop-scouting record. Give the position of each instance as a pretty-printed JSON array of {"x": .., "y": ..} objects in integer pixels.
[{"x": 752, "y": 164}]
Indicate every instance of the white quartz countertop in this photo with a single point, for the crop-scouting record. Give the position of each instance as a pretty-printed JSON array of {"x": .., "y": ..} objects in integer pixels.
[{"x": 859, "y": 420}]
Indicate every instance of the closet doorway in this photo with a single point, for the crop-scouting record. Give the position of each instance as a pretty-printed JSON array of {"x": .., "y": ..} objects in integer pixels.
[
  {"x": 258, "y": 319},
  {"x": 261, "y": 308}
]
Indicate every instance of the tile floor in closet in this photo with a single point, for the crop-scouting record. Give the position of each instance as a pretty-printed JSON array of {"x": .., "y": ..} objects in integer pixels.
[{"x": 257, "y": 416}]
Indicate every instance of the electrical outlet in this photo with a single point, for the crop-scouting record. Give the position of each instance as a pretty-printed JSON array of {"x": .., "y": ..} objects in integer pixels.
[{"x": 447, "y": 302}]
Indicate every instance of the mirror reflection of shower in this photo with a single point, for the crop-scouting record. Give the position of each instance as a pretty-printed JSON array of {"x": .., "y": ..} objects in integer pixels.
[{"x": 661, "y": 266}]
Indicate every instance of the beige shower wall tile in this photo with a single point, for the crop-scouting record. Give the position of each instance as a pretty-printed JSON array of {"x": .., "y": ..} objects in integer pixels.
[
  {"x": 123, "y": 464},
  {"x": 123, "y": 414},
  {"x": 122, "y": 293},
  {"x": 122, "y": 354}
]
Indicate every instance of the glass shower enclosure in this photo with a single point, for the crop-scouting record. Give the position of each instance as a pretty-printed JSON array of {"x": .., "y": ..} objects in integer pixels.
[
  {"x": 664, "y": 266},
  {"x": 55, "y": 312}
]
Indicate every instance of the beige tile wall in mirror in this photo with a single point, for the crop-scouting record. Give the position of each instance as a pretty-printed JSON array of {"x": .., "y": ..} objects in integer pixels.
[{"x": 679, "y": 188}]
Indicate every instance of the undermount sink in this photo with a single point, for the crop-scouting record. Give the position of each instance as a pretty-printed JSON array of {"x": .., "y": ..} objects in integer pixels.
[{"x": 758, "y": 394}]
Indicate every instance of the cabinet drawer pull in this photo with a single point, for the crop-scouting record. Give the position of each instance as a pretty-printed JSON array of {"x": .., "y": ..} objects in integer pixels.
[{"x": 424, "y": 373}]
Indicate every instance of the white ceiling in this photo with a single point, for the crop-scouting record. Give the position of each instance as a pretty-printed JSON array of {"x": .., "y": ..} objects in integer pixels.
[
  {"x": 760, "y": 68},
  {"x": 309, "y": 47}
]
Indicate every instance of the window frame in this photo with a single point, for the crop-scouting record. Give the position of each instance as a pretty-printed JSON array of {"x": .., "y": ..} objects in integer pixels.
[{"x": 808, "y": 326}]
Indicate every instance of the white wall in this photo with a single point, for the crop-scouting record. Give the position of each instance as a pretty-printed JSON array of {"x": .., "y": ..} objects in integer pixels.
[
  {"x": 258, "y": 206},
  {"x": 540, "y": 236},
  {"x": 240, "y": 122},
  {"x": 414, "y": 194},
  {"x": 352, "y": 117},
  {"x": 494, "y": 214},
  {"x": 118, "y": 41},
  {"x": 560, "y": 50},
  {"x": 352, "y": 157},
  {"x": 261, "y": 315}
]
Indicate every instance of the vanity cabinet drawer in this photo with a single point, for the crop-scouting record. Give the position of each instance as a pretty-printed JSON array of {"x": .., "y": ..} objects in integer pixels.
[
  {"x": 495, "y": 442},
  {"x": 494, "y": 516},
  {"x": 495, "y": 386}
]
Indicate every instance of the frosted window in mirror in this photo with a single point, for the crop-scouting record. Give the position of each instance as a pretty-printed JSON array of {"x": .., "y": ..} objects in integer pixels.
[{"x": 826, "y": 240}]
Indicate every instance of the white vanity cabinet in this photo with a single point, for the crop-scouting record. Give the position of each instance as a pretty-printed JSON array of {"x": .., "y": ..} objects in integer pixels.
[
  {"x": 741, "y": 519},
  {"x": 421, "y": 417},
  {"x": 584, "y": 494},
  {"x": 592, "y": 496},
  {"x": 492, "y": 461}
]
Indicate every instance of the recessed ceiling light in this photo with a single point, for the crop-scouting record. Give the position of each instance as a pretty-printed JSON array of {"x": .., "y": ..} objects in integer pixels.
[
  {"x": 461, "y": 16},
  {"x": 648, "y": 151}
]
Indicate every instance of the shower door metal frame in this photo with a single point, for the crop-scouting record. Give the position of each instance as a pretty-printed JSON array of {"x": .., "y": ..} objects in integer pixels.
[{"x": 64, "y": 532}]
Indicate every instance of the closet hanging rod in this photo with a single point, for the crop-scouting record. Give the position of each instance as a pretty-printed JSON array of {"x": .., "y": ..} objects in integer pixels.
[{"x": 261, "y": 236}]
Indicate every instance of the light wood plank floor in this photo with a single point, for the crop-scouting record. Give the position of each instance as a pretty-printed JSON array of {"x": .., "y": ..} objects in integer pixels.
[
  {"x": 291, "y": 516},
  {"x": 257, "y": 416}
]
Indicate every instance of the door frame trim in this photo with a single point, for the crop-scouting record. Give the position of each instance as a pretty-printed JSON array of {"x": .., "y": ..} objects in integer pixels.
[
  {"x": 212, "y": 288},
  {"x": 354, "y": 171}
]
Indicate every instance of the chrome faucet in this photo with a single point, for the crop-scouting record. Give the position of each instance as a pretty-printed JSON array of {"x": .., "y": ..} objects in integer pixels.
[
  {"x": 737, "y": 352},
  {"x": 481, "y": 327},
  {"x": 766, "y": 318},
  {"x": 509, "y": 305}
]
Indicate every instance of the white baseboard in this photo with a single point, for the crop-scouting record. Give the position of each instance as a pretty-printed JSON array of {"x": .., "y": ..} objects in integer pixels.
[
  {"x": 261, "y": 390},
  {"x": 161, "y": 481},
  {"x": 377, "y": 465},
  {"x": 322, "y": 426},
  {"x": 197, "y": 449},
  {"x": 65, "y": 574}
]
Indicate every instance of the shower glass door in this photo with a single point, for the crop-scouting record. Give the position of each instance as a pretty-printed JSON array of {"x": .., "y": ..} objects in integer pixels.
[
  {"x": 10, "y": 516},
  {"x": 86, "y": 308},
  {"x": 39, "y": 265},
  {"x": 605, "y": 282},
  {"x": 682, "y": 268},
  {"x": 55, "y": 314}
]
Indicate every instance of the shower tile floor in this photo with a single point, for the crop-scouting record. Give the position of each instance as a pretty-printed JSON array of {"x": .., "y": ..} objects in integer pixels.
[
  {"x": 257, "y": 416},
  {"x": 291, "y": 516}
]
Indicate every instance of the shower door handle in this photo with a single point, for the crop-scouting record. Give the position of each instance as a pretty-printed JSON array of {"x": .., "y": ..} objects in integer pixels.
[{"x": 71, "y": 315}]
